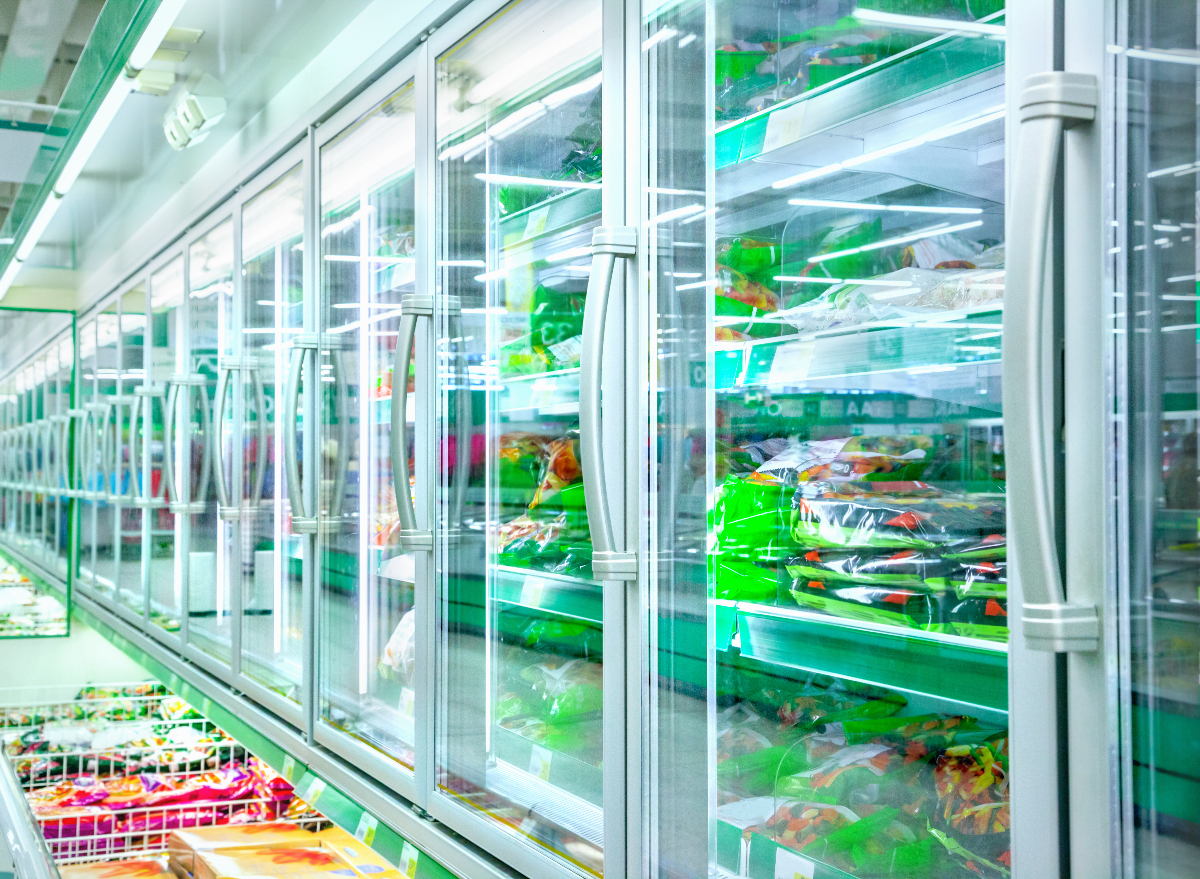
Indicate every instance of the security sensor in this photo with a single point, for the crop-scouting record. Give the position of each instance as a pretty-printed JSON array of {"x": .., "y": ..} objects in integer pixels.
[{"x": 191, "y": 118}]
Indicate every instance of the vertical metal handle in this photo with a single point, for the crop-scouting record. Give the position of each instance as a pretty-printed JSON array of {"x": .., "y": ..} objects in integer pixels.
[
  {"x": 263, "y": 437},
  {"x": 134, "y": 491},
  {"x": 342, "y": 395},
  {"x": 1048, "y": 102},
  {"x": 609, "y": 243},
  {"x": 412, "y": 538},
  {"x": 168, "y": 468},
  {"x": 223, "y": 508},
  {"x": 206, "y": 447},
  {"x": 291, "y": 451}
]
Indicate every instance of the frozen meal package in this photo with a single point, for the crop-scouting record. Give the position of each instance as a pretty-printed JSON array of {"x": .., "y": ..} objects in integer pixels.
[
  {"x": 985, "y": 618},
  {"x": 975, "y": 577},
  {"x": 141, "y": 868},
  {"x": 851, "y": 459},
  {"x": 359, "y": 856},
  {"x": 887, "y": 604},
  {"x": 904, "y": 567},
  {"x": 184, "y": 845},
  {"x": 315, "y": 859},
  {"x": 566, "y": 688}
]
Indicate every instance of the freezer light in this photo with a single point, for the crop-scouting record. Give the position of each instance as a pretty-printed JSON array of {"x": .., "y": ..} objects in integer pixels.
[
  {"x": 538, "y": 181},
  {"x": 493, "y": 275},
  {"x": 686, "y": 211},
  {"x": 571, "y": 253},
  {"x": 698, "y": 284},
  {"x": 990, "y": 115},
  {"x": 387, "y": 260},
  {"x": 925, "y": 23},
  {"x": 664, "y": 34},
  {"x": 38, "y": 226},
  {"x": 855, "y": 205},
  {"x": 940, "y": 229}
]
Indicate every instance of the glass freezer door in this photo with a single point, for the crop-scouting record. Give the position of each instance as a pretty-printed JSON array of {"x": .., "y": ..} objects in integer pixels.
[
  {"x": 368, "y": 579},
  {"x": 127, "y": 448},
  {"x": 272, "y": 315},
  {"x": 518, "y": 193},
  {"x": 826, "y": 190},
  {"x": 103, "y": 434},
  {"x": 210, "y": 538},
  {"x": 1155, "y": 262}
]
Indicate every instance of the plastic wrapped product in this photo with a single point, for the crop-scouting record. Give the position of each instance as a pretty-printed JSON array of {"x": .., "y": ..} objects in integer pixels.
[
  {"x": 312, "y": 860},
  {"x": 520, "y": 458},
  {"x": 798, "y": 825},
  {"x": 975, "y": 578},
  {"x": 873, "y": 603},
  {"x": 851, "y": 459},
  {"x": 399, "y": 654},
  {"x": 738, "y": 579},
  {"x": 183, "y": 845},
  {"x": 566, "y": 689},
  {"x": 905, "y": 567},
  {"x": 990, "y": 546},
  {"x": 751, "y": 512},
  {"x": 563, "y": 637},
  {"x": 985, "y": 618},
  {"x": 560, "y": 469},
  {"x": 61, "y": 822},
  {"x": 973, "y": 797},
  {"x": 143, "y": 868},
  {"x": 826, "y": 514}
]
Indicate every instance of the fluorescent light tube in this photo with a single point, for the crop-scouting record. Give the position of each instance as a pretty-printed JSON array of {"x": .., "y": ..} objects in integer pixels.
[
  {"x": 925, "y": 23},
  {"x": 10, "y": 274},
  {"x": 940, "y": 229},
  {"x": 537, "y": 181},
  {"x": 155, "y": 33},
  {"x": 989, "y": 115},
  {"x": 90, "y": 138},
  {"x": 571, "y": 253},
  {"x": 854, "y": 205},
  {"x": 38, "y": 226}
]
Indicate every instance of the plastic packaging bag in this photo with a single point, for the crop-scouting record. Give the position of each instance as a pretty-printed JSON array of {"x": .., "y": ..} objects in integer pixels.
[{"x": 850, "y": 459}]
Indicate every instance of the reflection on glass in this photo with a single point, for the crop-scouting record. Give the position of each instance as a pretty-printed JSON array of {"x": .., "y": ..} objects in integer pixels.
[
  {"x": 1156, "y": 345},
  {"x": 210, "y": 538},
  {"x": 103, "y": 436},
  {"x": 368, "y": 251},
  {"x": 518, "y": 187},
  {"x": 87, "y": 477},
  {"x": 271, "y": 557},
  {"x": 826, "y": 260},
  {"x": 127, "y": 444},
  {"x": 168, "y": 359},
  {"x": 61, "y": 473}
]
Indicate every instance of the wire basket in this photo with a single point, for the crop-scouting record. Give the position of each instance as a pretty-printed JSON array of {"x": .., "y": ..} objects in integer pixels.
[
  {"x": 23, "y": 708},
  {"x": 196, "y": 774}
]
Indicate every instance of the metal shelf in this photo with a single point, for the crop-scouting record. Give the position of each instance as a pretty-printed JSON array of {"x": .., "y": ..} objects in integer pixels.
[{"x": 556, "y": 593}]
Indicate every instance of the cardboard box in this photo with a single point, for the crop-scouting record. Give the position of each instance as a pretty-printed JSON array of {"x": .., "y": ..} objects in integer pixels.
[
  {"x": 311, "y": 859},
  {"x": 184, "y": 845},
  {"x": 361, "y": 857},
  {"x": 143, "y": 868}
]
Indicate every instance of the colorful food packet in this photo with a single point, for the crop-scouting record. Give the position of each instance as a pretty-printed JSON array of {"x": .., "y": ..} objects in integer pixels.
[
  {"x": 905, "y": 567},
  {"x": 885, "y": 604},
  {"x": 141, "y": 868},
  {"x": 183, "y": 845},
  {"x": 975, "y": 578},
  {"x": 799, "y": 824},
  {"x": 851, "y": 459},
  {"x": 973, "y": 797},
  {"x": 566, "y": 687},
  {"x": 985, "y": 618}
]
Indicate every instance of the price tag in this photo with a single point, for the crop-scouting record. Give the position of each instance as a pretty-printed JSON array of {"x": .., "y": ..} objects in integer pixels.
[
  {"x": 408, "y": 860},
  {"x": 791, "y": 362},
  {"x": 784, "y": 126},
  {"x": 789, "y": 865},
  {"x": 531, "y": 591},
  {"x": 313, "y": 791},
  {"x": 407, "y": 701},
  {"x": 366, "y": 828},
  {"x": 174, "y": 684},
  {"x": 289, "y": 766},
  {"x": 539, "y": 762},
  {"x": 206, "y": 708},
  {"x": 536, "y": 223}
]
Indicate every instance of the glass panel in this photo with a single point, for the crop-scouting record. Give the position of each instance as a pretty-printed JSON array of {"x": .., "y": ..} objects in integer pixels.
[
  {"x": 37, "y": 414},
  {"x": 368, "y": 264},
  {"x": 826, "y": 263},
  {"x": 1157, "y": 346},
  {"x": 127, "y": 475},
  {"x": 272, "y": 561},
  {"x": 518, "y": 147},
  {"x": 62, "y": 471},
  {"x": 104, "y": 431},
  {"x": 86, "y": 451},
  {"x": 168, "y": 359},
  {"x": 210, "y": 538}
]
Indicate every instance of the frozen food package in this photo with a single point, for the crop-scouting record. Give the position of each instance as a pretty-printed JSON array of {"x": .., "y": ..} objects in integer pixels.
[
  {"x": 740, "y": 579},
  {"x": 399, "y": 654},
  {"x": 520, "y": 456},
  {"x": 973, "y": 796},
  {"x": 312, "y": 858},
  {"x": 60, "y": 822},
  {"x": 560, "y": 469},
  {"x": 751, "y": 512},
  {"x": 886, "y": 604},
  {"x": 850, "y": 459},
  {"x": 140, "y": 868},
  {"x": 985, "y": 618},
  {"x": 888, "y": 515},
  {"x": 749, "y": 456},
  {"x": 183, "y": 845},
  {"x": 975, "y": 577},
  {"x": 904, "y": 567},
  {"x": 566, "y": 688},
  {"x": 360, "y": 857}
]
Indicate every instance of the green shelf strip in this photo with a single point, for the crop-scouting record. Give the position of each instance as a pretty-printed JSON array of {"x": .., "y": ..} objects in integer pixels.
[
  {"x": 899, "y": 659},
  {"x": 310, "y": 787},
  {"x": 569, "y": 596}
]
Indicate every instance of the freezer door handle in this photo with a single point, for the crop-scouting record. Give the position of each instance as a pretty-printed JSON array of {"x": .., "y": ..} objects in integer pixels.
[
  {"x": 609, "y": 243},
  {"x": 412, "y": 539},
  {"x": 301, "y": 522},
  {"x": 225, "y": 510},
  {"x": 1049, "y": 103}
]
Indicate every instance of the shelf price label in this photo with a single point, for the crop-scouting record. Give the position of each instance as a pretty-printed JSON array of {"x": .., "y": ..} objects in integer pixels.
[
  {"x": 313, "y": 790},
  {"x": 531, "y": 591},
  {"x": 289, "y": 766},
  {"x": 539, "y": 762},
  {"x": 407, "y": 701},
  {"x": 789, "y": 865},
  {"x": 784, "y": 126},
  {"x": 408, "y": 860},
  {"x": 206, "y": 708},
  {"x": 365, "y": 833}
]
